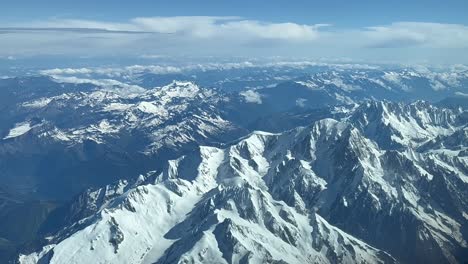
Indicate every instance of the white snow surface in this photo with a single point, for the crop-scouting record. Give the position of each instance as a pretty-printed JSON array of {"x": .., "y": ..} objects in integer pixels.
[{"x": 18, "y": 130}]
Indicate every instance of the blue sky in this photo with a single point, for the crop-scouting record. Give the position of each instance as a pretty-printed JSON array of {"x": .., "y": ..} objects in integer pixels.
[
  {"x": 342, "y": 13},
  {"x": 401, "y": 31}
]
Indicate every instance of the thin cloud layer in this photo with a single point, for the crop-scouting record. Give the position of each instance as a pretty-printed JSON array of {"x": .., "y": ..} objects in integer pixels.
[
  {"x": 418, "y": 34},
  {"x": 211, "y": 35},
  {"x": 194, "y": 26}
]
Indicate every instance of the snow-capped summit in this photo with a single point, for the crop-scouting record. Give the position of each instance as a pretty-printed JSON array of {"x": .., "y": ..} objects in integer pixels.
[{"x": 398, "y": 124}]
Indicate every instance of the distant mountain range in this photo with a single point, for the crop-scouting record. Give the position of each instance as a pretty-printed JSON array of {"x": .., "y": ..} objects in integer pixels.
[{"x": 355, "y": 164}]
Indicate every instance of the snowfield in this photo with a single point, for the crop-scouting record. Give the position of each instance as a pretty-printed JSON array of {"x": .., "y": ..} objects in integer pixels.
[{"x": 18, "y": 130}]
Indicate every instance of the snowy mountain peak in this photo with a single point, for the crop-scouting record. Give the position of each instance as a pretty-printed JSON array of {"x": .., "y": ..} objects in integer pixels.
[
  {"x": 397, "y": 124},
  {"x": 181, "y": 88}
]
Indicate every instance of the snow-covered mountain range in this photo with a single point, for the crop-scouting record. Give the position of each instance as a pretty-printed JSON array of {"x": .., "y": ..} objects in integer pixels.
[
  {"x": 152, "y": 113},
  {"x": 348, "y": 153},
  {"x": 386, "y": 183}
]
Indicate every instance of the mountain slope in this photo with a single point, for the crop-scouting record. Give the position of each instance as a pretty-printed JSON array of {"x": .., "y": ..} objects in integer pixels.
[{"x": 197, "y": 211}]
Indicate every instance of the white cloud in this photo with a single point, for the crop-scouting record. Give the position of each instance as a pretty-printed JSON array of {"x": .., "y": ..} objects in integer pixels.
[
  {"x": 79, "y": 23},
  {"x": 110, "y": 85},
  {"x": 181, "y": 35},
  {"x": 251, "y": 96},
  {"x": 403, "y": 34},
  {"x": 152, "y": 56},
  {"x": 113, "y": 72},
  {"x": 301, "y": 102},
  {"x": 279, "y": 31},
  {"x": 7, "y": 58},
  {"x": 200, "y": 26},
  {"x": 234, "y": 36},
  {"x": 194, "y": 26},
  {"x": 70, "y": 71}
]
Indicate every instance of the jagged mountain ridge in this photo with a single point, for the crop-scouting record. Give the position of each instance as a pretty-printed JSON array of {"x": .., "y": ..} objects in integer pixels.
[
  {"x": 120, "y": 131},
  {"x": 100, "y": 114},
  {"x": 215, "y": 202},
  {"x": 215, "y": 212}
]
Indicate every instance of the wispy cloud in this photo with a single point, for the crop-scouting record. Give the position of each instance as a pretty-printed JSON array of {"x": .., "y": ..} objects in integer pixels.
[
  {"x": 12, "y": 30},
  {"x": 405, "y": 34}
]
